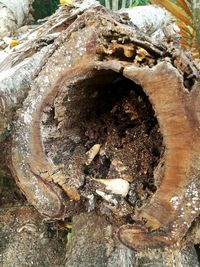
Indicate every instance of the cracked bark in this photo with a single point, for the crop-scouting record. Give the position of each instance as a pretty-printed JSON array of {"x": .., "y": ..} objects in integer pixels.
[{"x": 65, "y": 87}]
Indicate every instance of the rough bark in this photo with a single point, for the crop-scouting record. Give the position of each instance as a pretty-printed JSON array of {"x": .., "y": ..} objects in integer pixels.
[
  {"x": 13, "y": 15},
  {"x": 21, "y": 64},
  {"x": 26, "y": 239},
  {"x": 95, "y": 56},
  {"x": 100, "y": 247},
  {"x": 155, "y": 22}
]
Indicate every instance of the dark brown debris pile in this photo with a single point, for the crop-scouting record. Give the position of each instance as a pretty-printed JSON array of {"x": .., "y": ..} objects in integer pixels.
[{"x": 115, "y": 116}]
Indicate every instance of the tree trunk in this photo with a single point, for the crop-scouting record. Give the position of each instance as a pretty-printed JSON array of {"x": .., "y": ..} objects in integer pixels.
[
  {"x": 95, "y": 244},
  {"x": 13, "y": 15},
  {"x": 109, "y": 125}
]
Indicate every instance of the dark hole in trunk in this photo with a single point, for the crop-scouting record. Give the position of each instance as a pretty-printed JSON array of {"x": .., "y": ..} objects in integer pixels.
[{"x": 112, "y": 111}]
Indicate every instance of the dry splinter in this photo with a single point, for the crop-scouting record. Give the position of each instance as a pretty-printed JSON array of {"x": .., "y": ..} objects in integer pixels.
[{"x": 91, "y": 154}]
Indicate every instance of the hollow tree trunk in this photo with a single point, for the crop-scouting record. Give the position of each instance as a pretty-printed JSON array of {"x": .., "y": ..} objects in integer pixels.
[{"x": 104, "y": 84}]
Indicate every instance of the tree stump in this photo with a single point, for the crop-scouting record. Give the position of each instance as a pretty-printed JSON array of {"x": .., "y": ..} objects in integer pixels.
[{"x": 108, "y": 105}]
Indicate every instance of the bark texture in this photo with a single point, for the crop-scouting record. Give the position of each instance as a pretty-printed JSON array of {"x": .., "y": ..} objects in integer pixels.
[
  {"x": 26, "y": 239},
  {"x": 94, "y": 243},
  {"x": 104, "y": 82},
  {"x": 13, "y": 15}
]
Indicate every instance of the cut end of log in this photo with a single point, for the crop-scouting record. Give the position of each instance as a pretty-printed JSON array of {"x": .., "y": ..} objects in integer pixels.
[
  {"x": 139, "y": 238},
  {"x": 113, "y": 83}
]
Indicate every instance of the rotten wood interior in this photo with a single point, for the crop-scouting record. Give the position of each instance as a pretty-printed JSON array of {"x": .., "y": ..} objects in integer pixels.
[{"x": 139, "y": 102}]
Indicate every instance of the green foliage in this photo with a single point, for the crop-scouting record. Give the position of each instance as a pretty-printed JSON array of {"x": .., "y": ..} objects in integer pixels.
[
  {"x": 117, "y": 4},
  {"x": 196, "y": 16},
  {"x": 187, "y": 18},
  {"x": 44, "y": 8},
  {"x": 138, "y": 3}
]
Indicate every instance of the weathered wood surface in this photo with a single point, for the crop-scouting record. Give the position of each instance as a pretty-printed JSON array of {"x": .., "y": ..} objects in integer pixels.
[
  {"x": 26, "y": 239},
  {"x": 95, "y": 52},
  {"x": 94, "y": 244},
  {"x": 13, "y": 15}
]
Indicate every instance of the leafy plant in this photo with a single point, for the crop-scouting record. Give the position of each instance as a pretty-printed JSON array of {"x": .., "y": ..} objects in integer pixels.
[
  {"x": 138, "y": 3},
  {"x": 188, "y": 21},
  {"x": 42, "y": 9},
  {"x": 118, "y": 4}
]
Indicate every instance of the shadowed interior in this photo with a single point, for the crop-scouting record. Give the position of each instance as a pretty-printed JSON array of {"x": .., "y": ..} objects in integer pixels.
[{"x": 112, "y": 111}]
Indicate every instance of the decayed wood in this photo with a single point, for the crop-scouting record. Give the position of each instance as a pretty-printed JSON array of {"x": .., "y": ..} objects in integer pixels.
[
  {"x": 38, "y": 45},
  {"x": 96, "y": 247},
  {"x": 35, "y": 136},
  {"x": 36, "y": 159},
  {"x": 14, "y": 14},
  {"x": 154, "y": 21},
  {"x": 27, "y": 240},
  {"x": 171, "y": 83},
  {"x": 35, "y": 164},
  {"x": 175, "y": 204},
  {"x": 15, "y": 84},
  {"x": 94, "y": 243},
  {"x": 22, "y": 63},
  {"x": 104, "y": 41}
]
